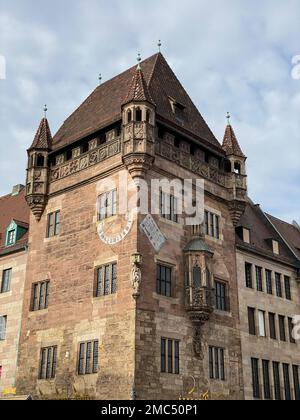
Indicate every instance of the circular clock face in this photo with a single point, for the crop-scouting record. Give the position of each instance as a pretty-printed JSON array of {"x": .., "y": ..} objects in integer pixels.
[{"x": 114, "y": 230}]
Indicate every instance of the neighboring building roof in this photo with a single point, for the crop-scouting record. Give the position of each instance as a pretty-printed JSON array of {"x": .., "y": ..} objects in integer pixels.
[
  {"x": 103, "y": 106},
  {"x": 13, "y": 208},
  {"x": 43, "y": 137},
  {"x": 290, "y": 233},
  {"x": 261, "y": 232},
  {"x": 230, "y": 143},
  {"x": 138, "y": 90},
  {"x": 197, "y": 245}
]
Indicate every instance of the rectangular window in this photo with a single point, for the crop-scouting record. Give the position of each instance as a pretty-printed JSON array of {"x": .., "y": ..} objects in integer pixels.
[
  {"x": 262, "y": 323},
  {"x": 269, "y": 285},
  {"x": 3, "y": 324},
  {"x": 212, "y": 225},
  {"x": 248, "y": 275},
  {"x": 272, "y": 325},
  {"x": 88, "y": 358},
  {"x": 266, "y": 376},
  {"x": 287, "y": 287},
  {"x": 53, "y": 225},
  {"x": 278, "y": 285},
  {"x": 168, "y": 207},
  {"x": 217, "y": 363},
  {"x": 221, "y": 298},
  {"x": 251, "y": 321},
  {"x": 276, "y": 377},
  {"x": 40, "y": 296},
  {"x": 291, "y": 328},
  {"x": 255, "y": 378},
  {"x": 107, "y": 205},
  {"x": 287, "y": 383},
  {"x": 11, "y": 237},
  {"x": 296, "y": 382},
  {"x": 6, "y": 281},
  {"x": 170, "y": 356},
  {"x": 164, "y": 280},
  {"x": 106, "y": 280},
  {"x": 259, "y": 283},
  {"x": 48, "y": 363},
  {"x": 282, "y": 333}
]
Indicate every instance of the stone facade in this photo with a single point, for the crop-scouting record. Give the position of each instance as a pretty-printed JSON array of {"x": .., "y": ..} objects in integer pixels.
[{"x": 11, "y": 304}]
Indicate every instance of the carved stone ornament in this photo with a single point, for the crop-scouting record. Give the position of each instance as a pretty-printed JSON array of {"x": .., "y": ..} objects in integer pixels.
[
  {"x": 197, "y": 342},
  {"x": 136, "y": 280}
]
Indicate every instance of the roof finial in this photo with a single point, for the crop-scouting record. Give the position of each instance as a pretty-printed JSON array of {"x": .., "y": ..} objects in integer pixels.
[
  {"x": 228, "y": 117},
  {"x": 159, "y": 45},
  {"x": 45, "y": 111},
  {"x": 100, "y": 79},
  {"x": 139, "y": 59}
]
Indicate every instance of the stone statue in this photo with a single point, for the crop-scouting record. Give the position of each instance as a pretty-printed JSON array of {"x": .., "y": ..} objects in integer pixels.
[{"x": 136, "y": 280}]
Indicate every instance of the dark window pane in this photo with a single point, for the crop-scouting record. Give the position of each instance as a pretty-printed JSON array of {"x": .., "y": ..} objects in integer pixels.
[
  {"x": 296, "y": 382},
  {"x": 217, "y": 366},
  {"x": 266, "y": 376},
  {"x": 49, "y": 363},
  {"x": 251, "y": 321},
  {"x": 164, "y": 280},
  {"x": 54, "y": 361},
  {"x": 114, "y": 279},
  {"x": 255, "y": 378},
  {"x": 276, "y": 376},
  {"x": 88, "y": 358},
  {"x": 81, "y": 359},
  {"x": 6, "y": 280},
  {"x": 211, "y": 363},
  {"x": 278, "y": 284},
  {"x": 95, "y": 356},
  {"x": 221, "y": 303},
  {"x": 287, "y": 286},
  {"x": 170, "y": 356},
  {"x": 269, "y": 286},
  {"x": 107, "y": 280},
  {"x": 177, "y": 358},
  {"x": 248, "y": 275},
  {"x": 163, "y": 355},
  {"x": 259, "y": 284},
  {"x": 42, "y": 374},
  {"x": 287, "y": 384},
  {"x": 222, "y": 365},
  {"x": 272, "y": 325},
  {"x": 282, "y": 328}
]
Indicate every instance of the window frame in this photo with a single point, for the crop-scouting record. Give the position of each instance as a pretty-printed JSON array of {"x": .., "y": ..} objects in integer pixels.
[
  {"x": 287, "y": 288},
  {"x": 170, "y": 356},
  {"x": 88, "y": 361},
  {"x": 3, "y": 325},
  {"x": 259, "y": 278},
  {"x": 252, "y": 321},
  {"x": 221, "y": 296},
  {"x": 40, "y": 296},
  {"x": 105, "y": 283},
  {"x": 249, "y": 275},
  {"x": 217, "y": 363},
  {"x": 53, "y": 224},
  {"x": 107, "y": 205},
  {"x": 269, "y": 282},
  {"x": 255, "y": 378},
  {"x": 278, "y": 285},
  {"x": 6, "y": 282},
  {"x": 167, "y": 282},
  {"x": 48, "y": 363}
]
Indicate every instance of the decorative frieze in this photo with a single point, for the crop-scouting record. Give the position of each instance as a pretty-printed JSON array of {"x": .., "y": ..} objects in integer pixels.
[
  {"x": 85, "y": 161},
  {"x": 190, "y": 162}
]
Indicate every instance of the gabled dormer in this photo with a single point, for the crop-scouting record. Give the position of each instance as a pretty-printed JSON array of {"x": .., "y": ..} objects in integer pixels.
[{"x": 14, "y": 232}]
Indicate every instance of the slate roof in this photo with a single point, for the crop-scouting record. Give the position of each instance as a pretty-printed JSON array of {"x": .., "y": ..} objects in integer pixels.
[
  {"x": 261, "y": 233},
  {"x": 230, "y": 143},
  {"x": 289, "y": 232},
  {"x": 103, "y": 106},
  {"x": 43, "y": 137},
  {"x": 138, "y": 91},
  {"x": 13, "y": 208}
]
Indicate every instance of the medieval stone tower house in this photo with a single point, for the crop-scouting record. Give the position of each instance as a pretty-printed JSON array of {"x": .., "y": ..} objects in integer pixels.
[{"x": 122, "y": 319}]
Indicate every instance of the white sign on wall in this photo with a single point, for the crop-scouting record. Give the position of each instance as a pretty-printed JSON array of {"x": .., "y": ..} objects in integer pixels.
[{"x": 153, "y": 233}]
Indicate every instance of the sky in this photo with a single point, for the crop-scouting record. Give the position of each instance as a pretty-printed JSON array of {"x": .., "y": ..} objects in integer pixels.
[{"x": 234, "y": 56}]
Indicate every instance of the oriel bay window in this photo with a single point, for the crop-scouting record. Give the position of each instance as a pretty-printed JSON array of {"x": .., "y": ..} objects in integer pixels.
[
  {"x": 170, "y": 356},
  {"x": 106, "y": 280},
  {"x": 88, "y": 358},
  {"x": 48, "y": 363},
  {"x": 40, "y": 296}
]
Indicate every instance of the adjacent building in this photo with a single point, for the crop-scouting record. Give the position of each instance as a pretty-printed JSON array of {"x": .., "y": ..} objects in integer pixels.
[
  {"x": 14, "y": 219},
  {"x": 269, "y": 299}
]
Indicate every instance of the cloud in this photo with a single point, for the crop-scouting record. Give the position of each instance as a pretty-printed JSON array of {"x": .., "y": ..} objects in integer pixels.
[{"x": 231, "y": 56}]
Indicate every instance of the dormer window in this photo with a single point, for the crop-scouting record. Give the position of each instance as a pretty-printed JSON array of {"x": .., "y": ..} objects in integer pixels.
[
  {"x": 275, "y": 247},
  {"x": 178, "y": 110},
  {"x": 246, "y": 235},
  {"x": 11, "y": 237}
]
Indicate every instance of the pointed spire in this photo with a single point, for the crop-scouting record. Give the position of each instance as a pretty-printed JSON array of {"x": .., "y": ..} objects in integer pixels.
[
  {"x": 230, "y": 143},
  {"x": 43, "y": 137},
  {"x": 159, "y": 46},
  {"x": 138, "y": 89}
]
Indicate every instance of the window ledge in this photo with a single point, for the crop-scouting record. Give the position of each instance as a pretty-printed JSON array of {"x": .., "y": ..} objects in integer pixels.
[
  {"x": 171, "y": 299},
  {"x": 39, "y": 312},
  {"x": 223, "y": 313}
]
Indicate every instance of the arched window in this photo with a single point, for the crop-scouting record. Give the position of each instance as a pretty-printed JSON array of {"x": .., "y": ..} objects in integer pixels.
[
  {"x": 237, "y": 168},
  {"x": 40, "y": 161},
  {"x": 138, "y": 114},
  {"x": 129, "y": 116},
  {"x": 196, "y": 277}
]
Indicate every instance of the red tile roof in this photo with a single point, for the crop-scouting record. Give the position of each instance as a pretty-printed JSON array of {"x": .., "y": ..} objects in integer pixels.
[
  {"x": 230, "y": 143},
  {"x": 43, "y": 137},
  {"x": 138, "y": 90},
  {"x": 13, "y": 208},
  {"x": 103, "y": 106}
]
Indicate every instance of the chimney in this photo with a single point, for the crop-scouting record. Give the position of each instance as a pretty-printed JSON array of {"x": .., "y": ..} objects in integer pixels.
[{"x": 17, "y": 189}]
